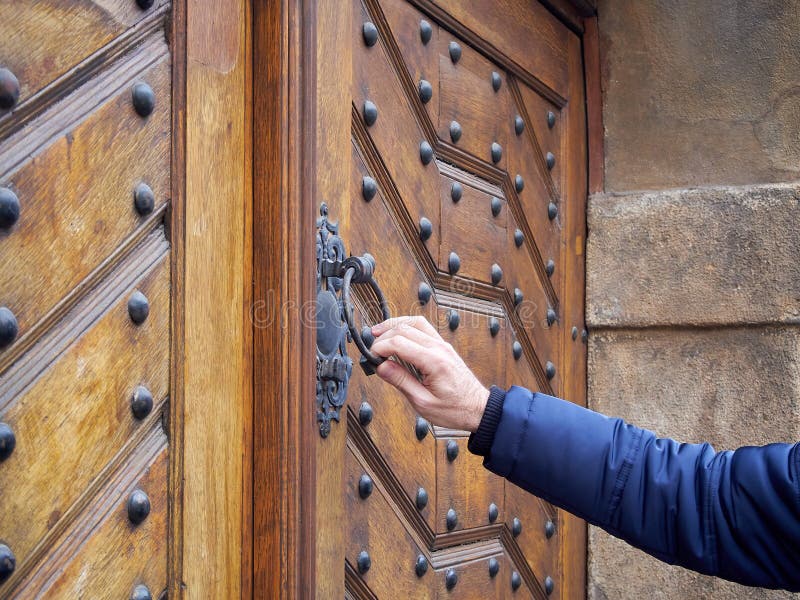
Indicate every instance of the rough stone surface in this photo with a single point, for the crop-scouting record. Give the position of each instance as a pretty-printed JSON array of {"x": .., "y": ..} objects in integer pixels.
[
  {"x": 703, "y": 256},
  {"x": 700, "y": 93}
]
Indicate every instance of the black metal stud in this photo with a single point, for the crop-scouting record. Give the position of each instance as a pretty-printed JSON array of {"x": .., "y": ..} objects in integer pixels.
[
  {"x": 425, "y": 229},
  {"x": 141, "y": 592},
  {"x": 550, "y": 267},
  {"x": 421, "y": 428},
  {"x": 497, "y": 152},
  {"x": 516, "y": 527},
  {"x": 574, "y": 333},
  {"x": 425, "y": 31},
  {"x": 452, "y": 450},
  {"x": 369, "y": 188},
  {"x": 552, "y": 211},
  {"x": 425, "y": 152},
  {"x": 424, "y": 293},
  {"x": 516, "y": 581},
  {"x": 365, "y": 414},
  {"x": 421, "y": 566},
  {"x": 453, "y": 320},
  {"x": 549, "y": 529},
  {"x": 519, "y": 237},
  {"x": 364, "y": 562},
  {"x": 494, "y": 567},
  {"x": 9, "y": 89},
  {"x": 422, "y": 498},
  {"x": 549, "y": 370},
  {"x": 141, "y": 402},
  {"x": 519, "y": 183},
  {"x": 584, "y": 336},
  {"x": 548, "y": 585},
  {"x": 138, "y": 307},
  {"x": 455, "y": 131},
  {"x": 145, "y": 4},
  {"x": 518, "y": 296},
  {"x": 493, "y": 512},
  {"x": 497, "y": 274},
  {"x": 551, "y": 119},
  {"x": 143, "y": 98},
  {"x": 519, "y": 125},
  {"x": 494, "y": 326},
  {"x": 9, "y": 208},
  {"x": 453, "y": 263},
  {"x": 364, "y": 486},
  {"x": 425, "y": 91},
  {"x": 450, "y": 579},
  {"x": 551, "y": 316},
  {"x": 451, "y": 520},
  {"x": 456, "y": 190},
  {"x": 7, "y": 441},
  {"x": 9, "y": 328},
  {"x": 8, "y": 562},
  {"x": 138, "y": 506},
  {"x": 144, "y": 200},
  {"x": 370, "y": 112},
  {"x": 516, "y": 348},
  {"x": 496, "y": 81},
  {"x": 455, "y": 51},
  {"x": 370, "y": 33},
  {"x": 497, "y": 206},
  {"x": 550, "y": 160}
]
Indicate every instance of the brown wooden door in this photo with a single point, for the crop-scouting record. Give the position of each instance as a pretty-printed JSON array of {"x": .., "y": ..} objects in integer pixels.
[{"x": 451, "y": 147}]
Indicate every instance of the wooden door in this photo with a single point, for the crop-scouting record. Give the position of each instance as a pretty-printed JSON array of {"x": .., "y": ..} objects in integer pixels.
[{"x": 450, "y": 145}]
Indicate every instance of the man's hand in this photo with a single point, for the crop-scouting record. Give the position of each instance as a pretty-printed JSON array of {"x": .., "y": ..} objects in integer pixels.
[{"x": 449, "y": 394}]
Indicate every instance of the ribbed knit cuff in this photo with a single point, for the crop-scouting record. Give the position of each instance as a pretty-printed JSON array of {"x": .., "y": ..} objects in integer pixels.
[{"x": 480, "y": 442}]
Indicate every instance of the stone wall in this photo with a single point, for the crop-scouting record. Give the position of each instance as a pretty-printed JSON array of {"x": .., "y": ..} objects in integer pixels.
[{"x": 693, "y": 259}]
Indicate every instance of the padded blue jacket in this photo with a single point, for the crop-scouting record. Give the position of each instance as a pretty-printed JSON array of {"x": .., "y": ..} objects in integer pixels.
[{"x": 733, "y": 514}]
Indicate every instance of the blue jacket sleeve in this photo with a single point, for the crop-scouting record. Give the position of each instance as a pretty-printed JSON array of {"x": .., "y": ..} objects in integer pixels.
[{"x": 735, "y": 514}]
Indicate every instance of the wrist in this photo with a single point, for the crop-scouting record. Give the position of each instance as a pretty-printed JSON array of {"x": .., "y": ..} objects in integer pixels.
[{"x": 480, "y": 398}]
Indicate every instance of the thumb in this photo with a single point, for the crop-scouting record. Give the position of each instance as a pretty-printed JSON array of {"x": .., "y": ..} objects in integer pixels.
[{"x": 401, "y": 378}]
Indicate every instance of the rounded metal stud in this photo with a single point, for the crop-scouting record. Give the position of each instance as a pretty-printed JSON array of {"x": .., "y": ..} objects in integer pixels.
[
  {"x": 451, "y": 519},
  {"x": 8, "y": 441},
  {"x": 456, "y": 191},
  {"x": 364, "y": 486},
  {"x": 519, "y": 125},
  {"x": 141, "y": 592},
  {"x": 497, "y": 152},
  {"x": 516, "y": 527},
  {"x": 551, "y": 317},
  {"x": 584, "y": 336},
  {"x": 516, "y": 348},
  {"x": 369, "y": 187},
  {"x": 455, "y": 131},
  {"x": 370, "y": 33},
  {"x": 143, "y": 98},
  {"x": 549, "y": 529},
  {"x": 519, "y": 237},
  {"x": 370, "y": 112},
  {"x": 518, "y": 296},
  {"x": 141, "y": 402},
  {"x": 9, "y": 208},
  {"x": 366, "y": 336},
  {"x": 453, "y": 263},
  {"x": 365, "y": 414},
  {"x": 549, "y": 370},
  {"x": 138, "y": 307},
  {"x": 421, "y": 566},
  {"x": 424, "y": 293},
  {"x": 574, "y": 333},
  {"x": 425, "y": 91},
  {"x": 551, "y": 119},
  {"x": 455, "y": 51},
  {"x": 493, "y": 512},
  {"x": 548, "y": 585},
  {"x": 422, "y": 498},
  {"x": 497, "y": 206},
  {"x": 9, "y": 328},
  {"x": 450, "y": 579},
  {"x": 452, "y": 450},
  {"x": 145, "y": 4},
  {"x": 550, "y": 160},
  {"x": 421, "y": 428},
  {"x": 516, "y": 581},
  {"x": 144, "y": 200},
  {"x": 425, "y": 229},
  {"x": 364, "y": 562},
  {"x": 8, "y": 562},
  {"x": 494, "y": 567},
  {"x": 494, "y": 326},
  {"x": 552, "y": 211},
  {"x": 519, "y": 183},
  {"x": 9, "y": 89},
  {"x": 497, "y": 274},
  {"x": 550, "y": 267},
  {"x": 425, "y": 31},
  {"x": 496, "y": 81},
  {"x": 425, "y": 152},
  {"x": 453, "y": 319},
  {"x": 138, "y": 506}
]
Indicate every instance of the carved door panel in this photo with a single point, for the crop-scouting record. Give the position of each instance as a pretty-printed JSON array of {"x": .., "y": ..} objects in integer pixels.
[{"x": 465, "y": 140}]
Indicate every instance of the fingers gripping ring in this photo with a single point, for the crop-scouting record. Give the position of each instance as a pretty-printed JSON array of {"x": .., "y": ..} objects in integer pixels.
[{"x": 360, "y": 269}]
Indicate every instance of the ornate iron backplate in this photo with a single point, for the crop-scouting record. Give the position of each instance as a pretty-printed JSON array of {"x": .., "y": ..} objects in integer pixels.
[{"x": 334, "y": 366}]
